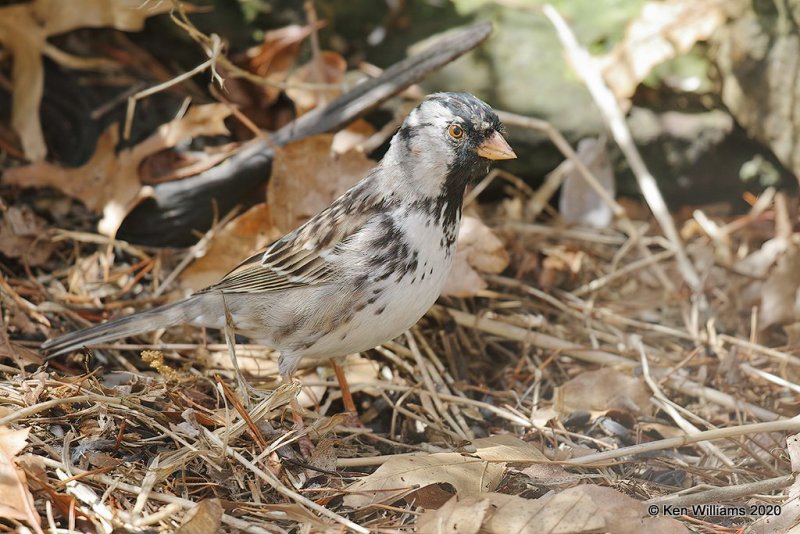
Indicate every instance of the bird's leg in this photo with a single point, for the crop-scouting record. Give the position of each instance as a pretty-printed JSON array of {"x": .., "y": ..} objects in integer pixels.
[
  {"x": 347, "y": 397},
  {"x": 306, "y": 447}
]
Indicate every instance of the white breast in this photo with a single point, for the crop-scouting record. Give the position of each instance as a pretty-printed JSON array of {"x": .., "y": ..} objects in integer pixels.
[{"x": 399, "y": 304}]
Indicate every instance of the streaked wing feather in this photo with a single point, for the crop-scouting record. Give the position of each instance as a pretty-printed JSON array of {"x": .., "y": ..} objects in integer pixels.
[{"x": 288, "y": 263}]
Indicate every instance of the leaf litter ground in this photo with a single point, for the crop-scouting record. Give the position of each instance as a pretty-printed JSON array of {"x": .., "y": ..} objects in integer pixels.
[{"x": 574, "y": 390}]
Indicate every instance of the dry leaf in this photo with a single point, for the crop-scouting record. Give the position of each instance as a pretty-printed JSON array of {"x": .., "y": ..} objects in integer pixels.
[
  {"x": 602, "y": 390},
  {"x": 550, "y": 474},
  {"x": 22, "y": 236},
  {"x": 329, "y": 70},
  {"x": 463, "y": 280},
  {"x": 788, "y": 519},
  {"x": 780, "y": 292},
  {"x": 109, "y": 182},
  {"x": 776, "y": 284},
  {"x": 579, "y": 203},
  {"x": 478, "y": 250},
  {"x": 273, "y": 58},
  {"x": 237, "y": 240},
  {"x": 395, "y": 478},
  {"x": 20, "y": 355},
  {"x": 205, "y": 518},
  {"x": 467, "y": 474},
  {"x": 307, "y": 177},
  {"x": 17, "y": 501},
  {"x": 352, "y": 137},
  {"x": 662, "y": 31},
  {"x": 24, "y": 30},
  {"x": 458, "y": 516},
  {"x": 587, "y": 508},
  {"x": 324, "y": 455},
  {"x": 507, "y": 448}
]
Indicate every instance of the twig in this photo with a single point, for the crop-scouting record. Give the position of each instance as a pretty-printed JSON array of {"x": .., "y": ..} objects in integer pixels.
[
  {"x": 725, "y": 493},
  {"x": 755, "y": 347},
  {"x": 537, "y": 339},
  {"x": 688, "y": 387},
  {"x": 770, "y": 377},
  {"x": 276, "y": 484},
  {"x": 566, "y": 149},
  {"x": 186, "y": 504},
  {"x": 783, "y": 425},
  {"x": 612, "y": 114},
  {"x": 597, "y": 283},
  {"x": 667, "y": 405},
  {"x": 196, "y": 251}
]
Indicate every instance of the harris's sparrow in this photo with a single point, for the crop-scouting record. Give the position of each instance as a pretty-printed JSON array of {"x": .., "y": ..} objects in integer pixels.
[{"x": 360, "y": 272}]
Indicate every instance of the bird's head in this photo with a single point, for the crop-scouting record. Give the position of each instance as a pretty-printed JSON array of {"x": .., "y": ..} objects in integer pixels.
[{"x": 447, "y": 141}]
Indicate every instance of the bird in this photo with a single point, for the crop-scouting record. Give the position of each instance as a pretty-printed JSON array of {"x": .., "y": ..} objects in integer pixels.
[{"x": 362, "y": 271}]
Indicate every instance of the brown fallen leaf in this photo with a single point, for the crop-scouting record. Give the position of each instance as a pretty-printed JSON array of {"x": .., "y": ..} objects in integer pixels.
[
  {"x": 352, "y": 137},
  {"x": 662, "y": 31},
  {"x": 22, "y": 235},
  {"x": 109, "y": 182},
  {"x": 24, "y": 30},
  {"x": 275, "y": 56},
  {"x": 582, "y": 509},
  {"x": 467, "y": 474},
  {"x": 602, "y": 390},
  {"x": 479, "y": 250},
  {"x": 17, "y": 501},
  {"x": 579, "y": 203},
  {"x": 780, "y": 292},
  {"x": 205, "y": 518},
  {"x": 507, "y": 448},
  {"x": 307, "y": 177},
  {"x": 237, "y": 240},
  {"x": 329, "y": 70},
  {"x": 398, "y": 476}
]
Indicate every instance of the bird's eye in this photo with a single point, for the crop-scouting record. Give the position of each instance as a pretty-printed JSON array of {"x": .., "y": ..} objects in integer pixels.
[{"x": 455, "y": 131}]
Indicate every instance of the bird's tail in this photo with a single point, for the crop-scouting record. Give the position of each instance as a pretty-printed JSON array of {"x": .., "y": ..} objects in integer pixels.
[{"x": 137, "y": 323}]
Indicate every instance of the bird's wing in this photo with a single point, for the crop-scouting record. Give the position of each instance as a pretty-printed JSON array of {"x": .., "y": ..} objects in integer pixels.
[{"x": 301, "y": 257}]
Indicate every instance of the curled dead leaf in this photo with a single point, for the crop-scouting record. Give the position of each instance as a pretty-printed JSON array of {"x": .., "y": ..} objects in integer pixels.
[
  {"x": 582, "y": 509},
  {"x": 662, "y": 31},
  {"x": 579, "y": 203},
  {"x": 22, "y": 236},
  {"x": 204, "y": 518},
  {"x": 780, "y": 292},
  {"x": 237, "y": 240},
  {"x": 602, "y": 390},
  {"x": 479, "y": 250},
  {"x": 330, "y": 70},
  {"x": 109, "y": 182},
  {"x": 17, "y": 501},
  {"x": 471, "y": 474},
  {"x": 307, "y": 177},
  {"x": 275, "y": 56}
]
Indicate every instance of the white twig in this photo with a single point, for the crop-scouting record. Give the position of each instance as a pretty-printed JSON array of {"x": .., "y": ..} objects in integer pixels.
[{"x": 609, "y": 108}]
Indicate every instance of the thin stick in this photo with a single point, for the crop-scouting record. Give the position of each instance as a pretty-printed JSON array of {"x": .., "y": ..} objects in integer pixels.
[
  {"x": 755, "y": 347},
  {"x": 276, "y": 484},
  {"x": 615, "y": 120},
  {"x": 186, "y": 504},
  {"x": 770, "y": 377},
  {"x": 688, "y": 387},
  {"x": 725, "y": 493},
  {"x": 784, "y": 425},
  {"x": 597, "y": 283},
  {"x": 537, "y": 339},
  {"x": 668, "y": 406},
  {"x": 566, "y": 149},
  {"x": 198, "y": 250}
]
